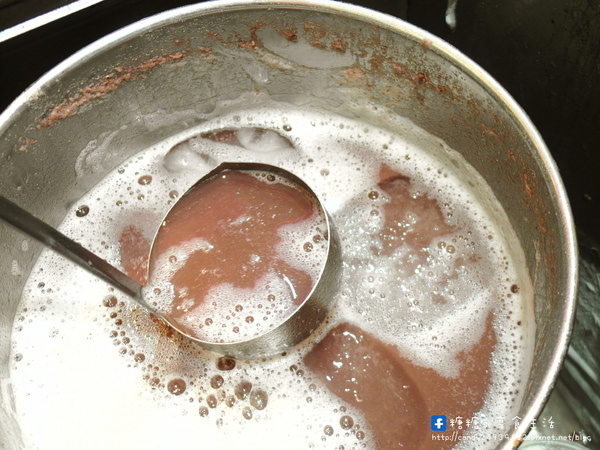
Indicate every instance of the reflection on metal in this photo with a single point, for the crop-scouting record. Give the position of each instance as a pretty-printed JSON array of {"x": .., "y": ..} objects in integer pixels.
[{"x": 46, "y": 18}]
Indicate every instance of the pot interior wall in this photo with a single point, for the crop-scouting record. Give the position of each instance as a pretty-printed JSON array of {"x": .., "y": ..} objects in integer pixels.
[{"x": 159, "y": 78}]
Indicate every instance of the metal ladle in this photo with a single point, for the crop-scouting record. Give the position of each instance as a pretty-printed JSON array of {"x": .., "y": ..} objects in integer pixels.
[{"x": 290, "y": 332}]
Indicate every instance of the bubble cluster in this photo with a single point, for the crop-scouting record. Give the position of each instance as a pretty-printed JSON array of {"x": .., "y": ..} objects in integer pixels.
[
  {"x": 426, "y": 260},
  {"x": 266, "y": 277}
]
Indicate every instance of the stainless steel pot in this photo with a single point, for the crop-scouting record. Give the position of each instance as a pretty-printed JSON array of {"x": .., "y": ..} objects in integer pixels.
[{"x": 160, "y": 76}]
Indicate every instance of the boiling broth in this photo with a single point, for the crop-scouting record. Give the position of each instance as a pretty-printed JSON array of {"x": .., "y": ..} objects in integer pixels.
[{"x": 433, "y": 315}]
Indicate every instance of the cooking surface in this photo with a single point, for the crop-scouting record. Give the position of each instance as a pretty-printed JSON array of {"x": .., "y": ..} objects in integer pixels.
[{"x": 545, "y": 53}]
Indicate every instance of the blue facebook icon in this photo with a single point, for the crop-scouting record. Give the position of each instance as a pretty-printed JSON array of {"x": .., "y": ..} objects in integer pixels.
[{"x": 438, "y": 423}]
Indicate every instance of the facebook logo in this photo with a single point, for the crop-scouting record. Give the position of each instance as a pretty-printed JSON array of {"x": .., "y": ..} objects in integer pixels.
[{"x": 438, "y": 423}]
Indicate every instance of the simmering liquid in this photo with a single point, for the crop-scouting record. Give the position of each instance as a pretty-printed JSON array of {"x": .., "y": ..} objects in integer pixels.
[
  {"x": 432, "y": 317},
  {"x": 236, "y": 241}
]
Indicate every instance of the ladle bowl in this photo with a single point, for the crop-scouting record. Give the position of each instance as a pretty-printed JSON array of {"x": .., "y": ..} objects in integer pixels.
[{"x": 283, "y": 334}]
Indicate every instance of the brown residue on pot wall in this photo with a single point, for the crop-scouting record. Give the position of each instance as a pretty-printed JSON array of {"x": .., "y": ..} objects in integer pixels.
[
  {"x": 183, "y": 42},
  {"x": 205, "y": 51},
  {"x": 388, "y": 73},
  {"x": 338, "y": 45},
  {"x": 421, "y": 79},
  {"x": 320, "y": 37},
  {"x": 106, "y": 85},
  {"x": 289, "y": 33},
  {"x": 487, "y": 130},
  {"x": 314, "y": 30},
  {"x": 250, "y": 43},
  {"x": 314, "y": 34},
  {"x": 25, "y": 143},
  {"x": 354, "y": 74}
]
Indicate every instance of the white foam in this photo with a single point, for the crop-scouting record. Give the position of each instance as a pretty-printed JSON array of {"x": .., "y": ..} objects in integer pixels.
[
  {"x": 92, "y": 385},
  {"x": 263, "y": 141}
]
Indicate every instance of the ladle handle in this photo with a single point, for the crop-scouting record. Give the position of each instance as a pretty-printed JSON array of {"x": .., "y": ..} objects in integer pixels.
[{"x": 34, "y": 227}]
